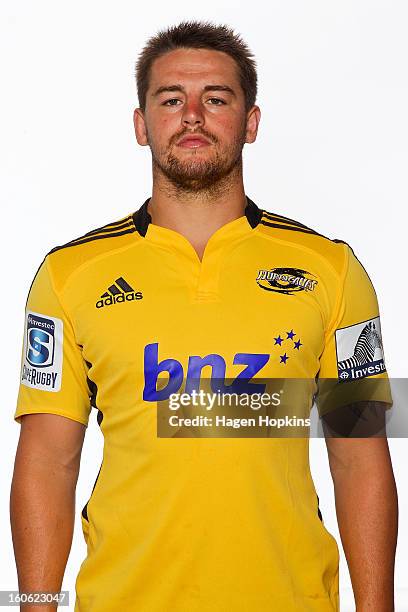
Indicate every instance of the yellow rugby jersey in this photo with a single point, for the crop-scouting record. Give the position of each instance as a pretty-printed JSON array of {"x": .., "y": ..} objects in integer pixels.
[{"x": 197, "y": 523}]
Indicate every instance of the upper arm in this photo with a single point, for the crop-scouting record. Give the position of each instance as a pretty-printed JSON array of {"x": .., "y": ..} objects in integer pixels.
[
  {"x": 360, "y": 419},
  {"x": 54, "y": 374},
  {"x": 51, "y": 441},
  {"x": 352, "y": 367},
  {"x": 348, "y": 455}
]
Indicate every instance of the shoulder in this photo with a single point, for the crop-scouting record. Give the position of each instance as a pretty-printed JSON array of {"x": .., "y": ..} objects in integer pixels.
[
  {"x": 63, "y": 260},
  {"x": 334, "y": 251}
]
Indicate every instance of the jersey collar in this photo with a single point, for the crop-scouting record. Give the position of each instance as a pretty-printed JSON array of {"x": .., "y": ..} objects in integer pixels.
[{"x": 142, "y": 218}]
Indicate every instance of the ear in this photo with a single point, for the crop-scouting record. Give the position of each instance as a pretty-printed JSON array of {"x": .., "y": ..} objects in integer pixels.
[
  {"x": 252, "y": 123},
  {"x": 140, "y": 127}
]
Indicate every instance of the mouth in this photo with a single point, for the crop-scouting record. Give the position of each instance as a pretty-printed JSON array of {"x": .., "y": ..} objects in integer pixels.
[{"x": 193, "y": 142}]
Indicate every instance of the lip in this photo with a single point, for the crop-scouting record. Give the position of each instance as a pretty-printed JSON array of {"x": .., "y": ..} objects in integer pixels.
[{"x": 193, "y": 142}]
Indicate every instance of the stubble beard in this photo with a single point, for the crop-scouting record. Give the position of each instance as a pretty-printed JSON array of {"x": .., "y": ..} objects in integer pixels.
[{"x": 200, "y": 175}]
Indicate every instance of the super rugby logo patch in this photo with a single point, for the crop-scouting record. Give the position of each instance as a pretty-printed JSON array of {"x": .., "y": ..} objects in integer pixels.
[
  {"x": 359, "y": 350},
  {"x": 286, "y": 280},
  {"x": 42, "y": 352}
]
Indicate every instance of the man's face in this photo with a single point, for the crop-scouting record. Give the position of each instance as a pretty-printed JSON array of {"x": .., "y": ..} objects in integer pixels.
[{"x": 195, "y": 120}]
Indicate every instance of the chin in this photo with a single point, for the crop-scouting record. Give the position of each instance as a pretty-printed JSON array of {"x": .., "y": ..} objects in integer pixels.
[{"x": 192, "y": 155}]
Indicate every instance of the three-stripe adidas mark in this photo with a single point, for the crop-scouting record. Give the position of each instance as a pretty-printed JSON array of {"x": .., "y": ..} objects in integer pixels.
[{"x": 119, "y": 291}]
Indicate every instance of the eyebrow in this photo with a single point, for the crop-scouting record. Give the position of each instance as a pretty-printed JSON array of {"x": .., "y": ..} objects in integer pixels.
[{"x": 168, "y": 88}]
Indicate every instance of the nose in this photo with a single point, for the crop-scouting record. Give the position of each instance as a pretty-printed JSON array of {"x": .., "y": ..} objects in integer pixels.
[{"x": 193, "y": 115}]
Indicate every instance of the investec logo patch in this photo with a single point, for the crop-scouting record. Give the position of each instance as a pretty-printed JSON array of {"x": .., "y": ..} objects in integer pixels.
[
  {"x": 42, "y": 363},
  {"x": 360, "y": 350}
]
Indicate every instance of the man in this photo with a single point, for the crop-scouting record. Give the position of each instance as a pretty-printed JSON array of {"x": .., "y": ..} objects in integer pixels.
[{"x": 199, "y": 281}]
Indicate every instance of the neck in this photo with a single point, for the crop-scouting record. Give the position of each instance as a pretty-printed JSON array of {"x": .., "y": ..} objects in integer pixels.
[{"x": 197, "y": 214}]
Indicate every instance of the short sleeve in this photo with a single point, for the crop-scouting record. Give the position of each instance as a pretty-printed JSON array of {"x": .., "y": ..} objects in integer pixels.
[
  {"x": 53, "y": 376},
  {"x": 352, "y": 365}
]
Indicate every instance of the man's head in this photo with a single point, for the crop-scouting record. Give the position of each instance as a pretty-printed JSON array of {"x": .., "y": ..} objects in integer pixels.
[{"x": 196, "y": 79}]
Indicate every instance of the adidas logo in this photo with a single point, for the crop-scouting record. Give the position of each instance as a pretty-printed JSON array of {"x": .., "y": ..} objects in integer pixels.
[{"x": 120, "y": 291}]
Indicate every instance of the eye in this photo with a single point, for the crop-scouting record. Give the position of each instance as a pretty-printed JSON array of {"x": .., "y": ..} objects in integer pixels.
[
  {"x": 166, "y": 103},
  {"x": 217, "y": 100}
]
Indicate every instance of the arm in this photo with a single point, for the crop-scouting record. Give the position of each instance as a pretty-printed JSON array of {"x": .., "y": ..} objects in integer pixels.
[
  {"x": 42, "y": 501},
  {"x": 367, "y": 514}
]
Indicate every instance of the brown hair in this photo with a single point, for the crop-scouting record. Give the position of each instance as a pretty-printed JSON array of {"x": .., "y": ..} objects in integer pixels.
[{"x": 198, "y": 35}]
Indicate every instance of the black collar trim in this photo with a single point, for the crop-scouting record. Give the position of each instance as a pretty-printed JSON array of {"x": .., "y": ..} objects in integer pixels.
[
  {"x": 142, "y": 218},
  {"x": 253, "y": 213}
]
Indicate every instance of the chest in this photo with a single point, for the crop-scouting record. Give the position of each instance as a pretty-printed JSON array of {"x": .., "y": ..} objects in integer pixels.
[{"x": 239, "y": 314}]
